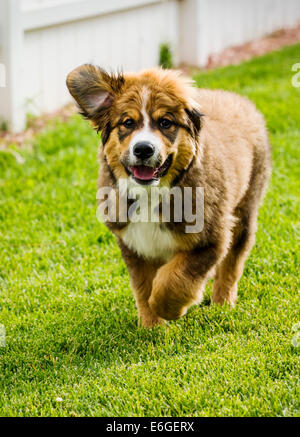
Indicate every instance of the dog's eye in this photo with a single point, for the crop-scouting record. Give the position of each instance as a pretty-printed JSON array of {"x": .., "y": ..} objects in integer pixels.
[
  {"x": 129, "y": 122},
  {"x": 165, "y": 123}
]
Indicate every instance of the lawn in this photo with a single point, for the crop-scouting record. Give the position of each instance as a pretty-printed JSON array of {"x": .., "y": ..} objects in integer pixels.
[{"x": 72, "y": 343}]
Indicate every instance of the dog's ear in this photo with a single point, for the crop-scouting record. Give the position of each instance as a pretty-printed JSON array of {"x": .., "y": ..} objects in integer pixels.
[
  {"x": 194, "y": 116},
  {"x": 95, "y": 91}
]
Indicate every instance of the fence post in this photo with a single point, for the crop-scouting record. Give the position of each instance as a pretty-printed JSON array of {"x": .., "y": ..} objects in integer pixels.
[
  {"x": 12, "y": 103},
  {"x": 189, "y": 31}
]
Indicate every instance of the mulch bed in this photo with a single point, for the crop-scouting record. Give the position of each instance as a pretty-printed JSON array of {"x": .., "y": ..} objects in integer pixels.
[{"x": 238, "y": 54}]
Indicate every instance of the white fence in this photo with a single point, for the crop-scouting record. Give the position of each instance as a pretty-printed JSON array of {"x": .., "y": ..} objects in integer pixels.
[{"x": 42, "y": 40}]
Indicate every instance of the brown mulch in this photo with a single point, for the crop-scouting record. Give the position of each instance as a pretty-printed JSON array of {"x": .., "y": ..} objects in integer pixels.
[
  {"x": 231, "y": 55},
  {"x": 238, "y": 54}
]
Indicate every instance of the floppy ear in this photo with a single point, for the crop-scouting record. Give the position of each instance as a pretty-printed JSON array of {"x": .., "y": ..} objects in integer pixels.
[
  {"x": 94, "y": 90},
  {"x": 195, "y": 119}
]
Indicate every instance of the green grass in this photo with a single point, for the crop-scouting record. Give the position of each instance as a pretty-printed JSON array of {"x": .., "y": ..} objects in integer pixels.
[{"x": 66, "y": 303}]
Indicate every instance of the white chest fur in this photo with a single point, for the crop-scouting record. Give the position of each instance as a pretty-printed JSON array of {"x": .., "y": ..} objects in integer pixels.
[{"x": 150, "y": 240}]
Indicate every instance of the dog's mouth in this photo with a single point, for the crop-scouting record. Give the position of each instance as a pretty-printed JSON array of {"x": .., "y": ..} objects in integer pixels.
[{"x": 144, "y": 174}]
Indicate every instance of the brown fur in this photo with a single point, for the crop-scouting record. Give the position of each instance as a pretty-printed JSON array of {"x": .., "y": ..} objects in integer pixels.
[{"x": 226, "y": 151}]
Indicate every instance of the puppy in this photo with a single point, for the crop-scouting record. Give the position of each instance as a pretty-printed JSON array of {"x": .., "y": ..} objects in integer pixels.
[{"x": 159, "y": 131}]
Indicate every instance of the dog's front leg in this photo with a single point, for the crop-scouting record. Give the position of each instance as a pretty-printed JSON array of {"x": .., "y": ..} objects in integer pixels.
[
  {"x": 142, "y": 280},
  {"x": 142, "y": 273},
  {"x": 179, "y": 283}
]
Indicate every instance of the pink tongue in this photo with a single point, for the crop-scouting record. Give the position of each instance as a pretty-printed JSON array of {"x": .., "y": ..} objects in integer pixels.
[{"x": 143, "y": 172}]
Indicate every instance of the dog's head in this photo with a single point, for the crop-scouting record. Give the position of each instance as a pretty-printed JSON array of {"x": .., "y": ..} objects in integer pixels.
[{"x": 149, "y": 121}]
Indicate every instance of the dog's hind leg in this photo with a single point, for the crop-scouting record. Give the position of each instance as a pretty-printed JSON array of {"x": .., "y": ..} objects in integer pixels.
[{"x": 230, "y": 269}]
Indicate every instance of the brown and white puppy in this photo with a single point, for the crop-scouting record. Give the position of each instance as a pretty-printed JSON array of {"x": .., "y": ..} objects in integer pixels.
[{"x": 158, "y": 130}]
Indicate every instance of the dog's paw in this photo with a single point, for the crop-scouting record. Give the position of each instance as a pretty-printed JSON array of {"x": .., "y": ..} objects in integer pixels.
[
  {"x": 166, "y": 308},
  {"x": 222, "y": 295},
  {"x": 150, "y": 322},
  {"x": 148, "y": 318},
  {"x": 168, "y": 298}
]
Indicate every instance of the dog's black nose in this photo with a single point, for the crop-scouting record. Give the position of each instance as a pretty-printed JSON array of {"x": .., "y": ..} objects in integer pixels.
[{"x": 143, "y": 150}]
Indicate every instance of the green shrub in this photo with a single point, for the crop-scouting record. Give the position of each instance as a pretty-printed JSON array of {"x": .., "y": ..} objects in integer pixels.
[{"x": 165, "y": 56}]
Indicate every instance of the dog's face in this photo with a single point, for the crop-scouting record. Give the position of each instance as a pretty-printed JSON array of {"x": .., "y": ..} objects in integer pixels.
[{"x": 149, "y": 121}]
